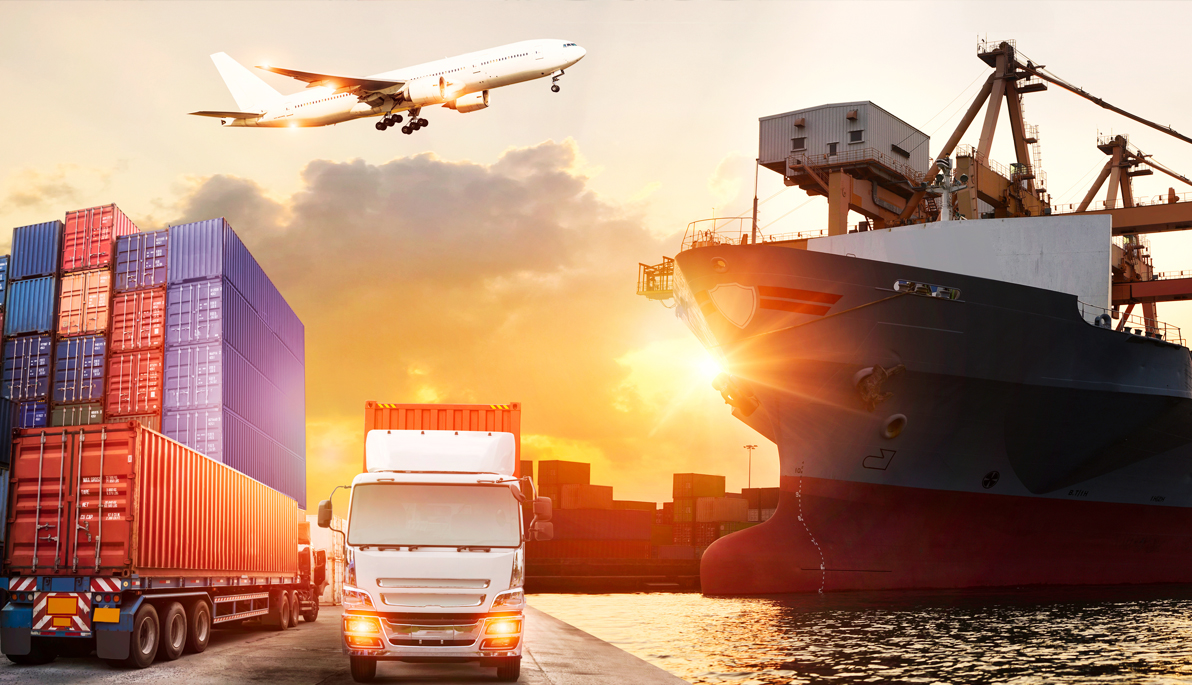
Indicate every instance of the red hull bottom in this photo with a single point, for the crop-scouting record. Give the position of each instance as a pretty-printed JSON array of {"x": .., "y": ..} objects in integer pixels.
[{"x": 830, "y": 535}]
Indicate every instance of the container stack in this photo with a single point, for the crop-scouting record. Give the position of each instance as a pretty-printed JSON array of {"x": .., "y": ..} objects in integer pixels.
[
  {"x": 688, "y": 489},
  {"x": 30, "y": 316},
  {"x": 763, "y": 502},
  {"x": 135, "y": 385},
  {"x": 587, "y": 524},
  {"x": 234, "y": 360}
]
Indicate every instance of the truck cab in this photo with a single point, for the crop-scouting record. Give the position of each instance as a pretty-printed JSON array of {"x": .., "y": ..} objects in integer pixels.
[{"x": 435, "y": 547}]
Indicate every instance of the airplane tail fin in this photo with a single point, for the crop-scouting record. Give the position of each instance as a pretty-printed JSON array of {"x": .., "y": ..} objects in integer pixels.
[{"x": 250, "y": 92}]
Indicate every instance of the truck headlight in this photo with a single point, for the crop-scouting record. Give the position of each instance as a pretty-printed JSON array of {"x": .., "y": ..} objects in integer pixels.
[
  {"x": 367, "y": 625},
  {"x": 509, "y": 600},
  {"x": 503, "y": 626},
  {"x": 518, "y": 577}
]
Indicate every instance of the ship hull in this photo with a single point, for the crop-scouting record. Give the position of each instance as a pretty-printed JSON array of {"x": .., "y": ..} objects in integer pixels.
[{"x": 1014, "y": 443}]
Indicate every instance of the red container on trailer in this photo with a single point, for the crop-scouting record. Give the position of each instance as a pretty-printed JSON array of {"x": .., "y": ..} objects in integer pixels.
[
  {"x": 139, "y": 320},
  {"x": 85, "y": 303},
  {"x": 134, "y": 383},
  {"x": 89, "y": 239},
  {"x": 122, "y": 499},
  {"x": 502, "y": 418}
]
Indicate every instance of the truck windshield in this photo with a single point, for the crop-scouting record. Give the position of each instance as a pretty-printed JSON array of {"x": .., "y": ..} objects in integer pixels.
[{"x": 434, "y": 515}]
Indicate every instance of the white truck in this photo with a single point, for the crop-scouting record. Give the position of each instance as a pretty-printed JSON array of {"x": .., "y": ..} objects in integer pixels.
[{"x": 435, "y": 548}]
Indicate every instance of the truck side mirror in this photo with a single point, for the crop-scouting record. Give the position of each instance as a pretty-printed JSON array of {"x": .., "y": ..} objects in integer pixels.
[
  {"x": 543, "y": 508},
  {"x": 325, "y": 514},
  {"x": 544, "y": 530}
]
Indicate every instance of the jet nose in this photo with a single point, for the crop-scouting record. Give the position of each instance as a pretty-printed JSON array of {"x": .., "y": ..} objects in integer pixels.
[{"x": 579, "y": 53}]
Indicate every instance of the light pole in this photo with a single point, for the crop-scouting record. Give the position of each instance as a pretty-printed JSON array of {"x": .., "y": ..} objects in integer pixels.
[{"x": 750, "y": 448}]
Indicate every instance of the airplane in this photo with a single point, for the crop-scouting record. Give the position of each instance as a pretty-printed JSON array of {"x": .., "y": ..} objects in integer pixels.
[{"x": 461, "y": 83}]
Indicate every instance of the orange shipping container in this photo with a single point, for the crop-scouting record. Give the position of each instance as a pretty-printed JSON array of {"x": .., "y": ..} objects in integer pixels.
[
  {"x": 134, "y": 383},
  {"x": 635, "y": 505},
  {"x": 503, "y": 418},
  {"x": 85, "y": 304},
  {"x": 89, "y": 238},
  {"x": 719, "y": 509},
  {"x": 586, "y": 497},
  {"x": 139, "y": 320},
  {"x": 149, "y": 506}
]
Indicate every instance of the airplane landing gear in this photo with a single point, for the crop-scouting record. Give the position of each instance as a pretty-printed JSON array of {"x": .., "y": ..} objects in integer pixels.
[
  {"x": 554, "y": 79},
  {"x": 554, "y": 88},
  {"x": 415, "y": 122},
  {"x": 387, "y": 121}
]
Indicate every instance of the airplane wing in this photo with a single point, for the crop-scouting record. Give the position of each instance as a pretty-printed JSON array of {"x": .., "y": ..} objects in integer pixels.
[
  {"x": 337, "y": 82},
  {"x": 227, "y": 115}
]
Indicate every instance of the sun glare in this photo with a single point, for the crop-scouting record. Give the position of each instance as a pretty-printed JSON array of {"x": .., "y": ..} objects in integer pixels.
[{"x": 709, "y": 368}]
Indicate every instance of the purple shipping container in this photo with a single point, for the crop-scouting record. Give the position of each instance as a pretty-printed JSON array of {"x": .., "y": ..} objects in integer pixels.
[
  {"x": 27, "y": 368},
  {"x": 32, "y": 415},
  {"x": 602, "y": 524},
  {"x": 141, "y": 261},
  {"x": 36, "y": 250},
  {"x": 79, "y": 366},
  {"x": 194, "y": 378},
  {"x": 209, "y": 249}
]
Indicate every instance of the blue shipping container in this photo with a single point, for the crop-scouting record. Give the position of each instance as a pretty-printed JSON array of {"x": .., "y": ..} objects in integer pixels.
[
  {"x": 33, "y": 415},
  {"x": 8, "y": 424},
  {"x": 31, "y": 306},
  {"x": 3, "y": 277},
  {"x": 194, "y": 312},
  {"x": 36, "y": 250},
  {"x": 211, "y": 249},
  {"x": 26, "y": 373},
  {"x": 79, "y": 365},
  {"x": 141, "y": 261}
]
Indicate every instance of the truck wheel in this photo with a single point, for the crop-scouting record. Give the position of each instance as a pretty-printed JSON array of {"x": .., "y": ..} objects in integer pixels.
[
  {"x": 173, "y": 632},
  {"x": 510, "y": 670},
  {"x": 364, "y": 668},
  {"x": 39, "y": 653},
  {"x": 198, "y": 626},
  {"x": 312, "y": 614},
  {"x": 295, "y": 609},
  {"x": 283, "y": 612},
  {"x": 142, "y": 646}
]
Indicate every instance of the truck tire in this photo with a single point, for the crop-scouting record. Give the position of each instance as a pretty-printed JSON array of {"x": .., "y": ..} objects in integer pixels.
[
  {"x": 364, "y": 668},
  {"x": 39, "y": 653},
  {"x": 143, "y": 643},
  {"x": 173, "y": 632},
  {"x": 198, "y": 626},
  {"x": 295, "y": 609},
  {"x": 312, "y": 614},
  {"x": 283, "y": 612},
  {"x": 510, "y": 670}
]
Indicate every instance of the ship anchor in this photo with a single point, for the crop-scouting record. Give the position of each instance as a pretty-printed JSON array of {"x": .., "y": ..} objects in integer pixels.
[{"x": 869, "y": 386}]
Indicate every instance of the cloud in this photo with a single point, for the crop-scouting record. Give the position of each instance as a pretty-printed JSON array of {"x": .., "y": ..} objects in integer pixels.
[
  {"x": 423, "y": 279},
  {"x": 33, "y": 189}
]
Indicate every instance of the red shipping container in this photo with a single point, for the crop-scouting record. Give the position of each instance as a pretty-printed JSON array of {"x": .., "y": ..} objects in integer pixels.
[
  {"x": 585, "y": 497},
  {"x": 588, "y": 549},
  {"x": 150, "y": 421},
  {"x": 503, "y": 418},
  {"x": 89, "y": 238},
  {"x": 85, "y": 305},
  {"x": 134, "y": 383},
  {"x": 139, "y": 320},
  {"x": 165, "y": 510}
]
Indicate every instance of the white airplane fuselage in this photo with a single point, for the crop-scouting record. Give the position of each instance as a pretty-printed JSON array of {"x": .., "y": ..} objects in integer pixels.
[{"x": 441, "y": 82}]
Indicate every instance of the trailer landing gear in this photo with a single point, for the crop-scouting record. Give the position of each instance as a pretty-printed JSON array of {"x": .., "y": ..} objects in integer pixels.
[{"x": 364, "y": 668}]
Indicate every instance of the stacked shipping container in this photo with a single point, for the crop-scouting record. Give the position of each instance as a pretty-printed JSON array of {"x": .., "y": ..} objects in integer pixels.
[
  {"x": 138, "y": 339},
  {"x": 234, "y": 359},
  {"x": 31, "y": 308},
  {"x": 587, "y": 524}
]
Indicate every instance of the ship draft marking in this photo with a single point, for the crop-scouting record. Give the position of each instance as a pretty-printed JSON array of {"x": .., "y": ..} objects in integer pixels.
[
  {"x": 736, "y": 302},
  {"x": 879, "y": 463}
]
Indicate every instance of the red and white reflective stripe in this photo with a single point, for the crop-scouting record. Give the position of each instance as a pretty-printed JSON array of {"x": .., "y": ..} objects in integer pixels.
[
  {"x": 43, "y": 619},
  {"x": 105, "y": 585},
  {"x": 26, "y": 584}
]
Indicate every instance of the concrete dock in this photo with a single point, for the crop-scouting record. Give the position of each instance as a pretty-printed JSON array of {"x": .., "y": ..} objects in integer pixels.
[{"x": 555, "y": 653}]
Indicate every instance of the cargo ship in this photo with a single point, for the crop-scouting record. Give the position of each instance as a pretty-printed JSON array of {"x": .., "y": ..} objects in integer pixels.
[{"x": 959, "y": 389}]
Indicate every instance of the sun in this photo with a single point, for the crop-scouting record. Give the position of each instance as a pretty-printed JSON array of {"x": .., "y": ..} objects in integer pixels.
[{"x": 709, "y": 368}]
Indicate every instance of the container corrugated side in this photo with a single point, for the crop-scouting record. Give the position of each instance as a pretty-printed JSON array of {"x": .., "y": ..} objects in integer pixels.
[
  {"x": 33, "y": 414},
  {"x": 35, "y": 250},
  {"x": 134, "y": 383},
  {"x": 555, "y": 472},
  {"x": 697, "y": 485},
  {"x": 85, "y": 305},
  {"x": 141, "y": 261},
  {"x": 79, "y": 366},
  {"x": 27, "y": 368},
  {"x": 89, "y": 237},
  {"x": 150, "y": 421},
  {"x": 588, "y": 549},
  {"x": 31, "y": 306},
  {"x": 139, "y": 320},
  {"x": 3, "y": 276},
  {"x": 9, "y": 418},
  {"x": 183, "y": 514},
  {"x": 602, "y": 524},
  {"x": 77, "y": 414},
  {"x": 505, "y": 418},
  {"x": 197, "y": 250}
]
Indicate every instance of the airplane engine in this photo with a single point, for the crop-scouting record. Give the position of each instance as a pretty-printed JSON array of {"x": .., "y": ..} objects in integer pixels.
[
  {"x": 423, "y": 92},
  {"x": 472, "y": 102}
]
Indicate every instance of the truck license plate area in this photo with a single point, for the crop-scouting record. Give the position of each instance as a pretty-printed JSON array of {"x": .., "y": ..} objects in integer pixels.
[{"x": 62, "y": 613}]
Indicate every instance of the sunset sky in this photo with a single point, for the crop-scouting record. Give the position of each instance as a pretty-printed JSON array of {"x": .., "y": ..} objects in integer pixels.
[{"x": 492, "y": 257}]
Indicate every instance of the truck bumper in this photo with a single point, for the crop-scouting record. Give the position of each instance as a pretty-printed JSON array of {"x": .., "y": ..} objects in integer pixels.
[{"x": 410, "y": 640}]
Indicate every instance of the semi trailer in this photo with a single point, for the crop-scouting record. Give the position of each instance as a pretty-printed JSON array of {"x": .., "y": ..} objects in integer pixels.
[
  {"x": 123, "y": 541},
  {"x": 435, "y": 539}
]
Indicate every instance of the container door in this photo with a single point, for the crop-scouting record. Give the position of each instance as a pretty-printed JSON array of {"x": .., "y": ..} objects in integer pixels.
[
  {"x": 102, "y": 536},
  {"x": 40, "y": 490}
]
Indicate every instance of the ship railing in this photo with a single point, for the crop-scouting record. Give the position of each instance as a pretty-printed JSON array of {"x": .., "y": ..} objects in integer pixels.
[
  {"x": 1130, "y": 323},
  {"x": 1017, "y": 172},
  {"x": 656, "y": 281},
  {"x": 1163, "y": 199},
  {"x": 735, "y": 230},
  {"x": 1166, "y": 275},
  {"x": 853, "y": 157}
]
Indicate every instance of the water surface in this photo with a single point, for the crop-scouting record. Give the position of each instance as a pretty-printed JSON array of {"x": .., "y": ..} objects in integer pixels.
[{"x": 1134, "y": 635}]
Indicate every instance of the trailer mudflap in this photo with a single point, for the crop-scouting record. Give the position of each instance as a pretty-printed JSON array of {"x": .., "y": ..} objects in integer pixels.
[
  {"x": 112, "y": 640},
  {"x": 16, "y": 624}
]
